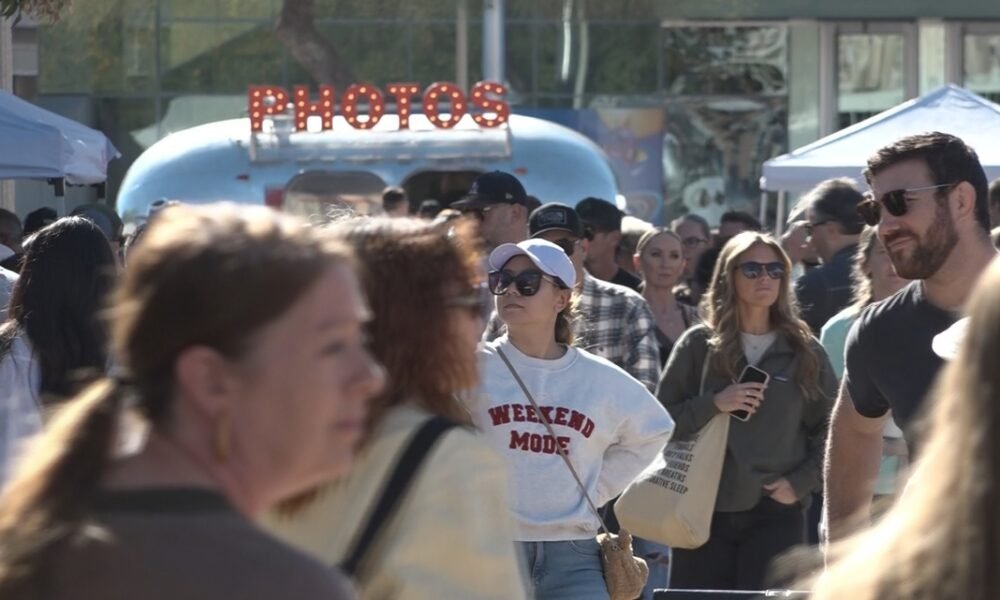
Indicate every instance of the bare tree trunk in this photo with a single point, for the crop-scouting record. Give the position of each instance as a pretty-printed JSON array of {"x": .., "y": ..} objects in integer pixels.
[{"x": 296, "y": 28}]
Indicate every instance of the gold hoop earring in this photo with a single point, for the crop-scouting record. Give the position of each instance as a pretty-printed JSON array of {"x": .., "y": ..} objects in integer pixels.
[{"x": 223, "y": 439}]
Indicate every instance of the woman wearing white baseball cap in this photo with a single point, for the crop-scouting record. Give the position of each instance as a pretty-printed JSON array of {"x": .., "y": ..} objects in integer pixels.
[{"x": 539, "y": 398}]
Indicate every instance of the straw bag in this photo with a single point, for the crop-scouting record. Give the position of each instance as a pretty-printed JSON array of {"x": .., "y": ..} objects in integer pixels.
[
  {"x": 624, "y": 574},
  {"x": 673, "y": 500}
]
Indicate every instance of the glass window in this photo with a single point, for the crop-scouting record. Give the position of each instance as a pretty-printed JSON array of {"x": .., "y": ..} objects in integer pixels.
[
  {"x": 433, "y": 53},
  {"x": 374, "y": 52},
  {"x": 869, "y": 75},
  {"x": 121, "y": 120},
  {"x": 725, "y": 60},
  {"x": 519, "y": 59},
  {"x": 320, "y": 195},
  {"x": 199, "y": 57},
  {"x": 981, "y": 65},
  {"x": 622, "y": 59},
  {"x": 713, "y": 150}
]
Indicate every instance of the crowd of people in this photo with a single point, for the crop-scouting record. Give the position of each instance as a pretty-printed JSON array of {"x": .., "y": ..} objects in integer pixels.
[{"x": 445, "y": 403}]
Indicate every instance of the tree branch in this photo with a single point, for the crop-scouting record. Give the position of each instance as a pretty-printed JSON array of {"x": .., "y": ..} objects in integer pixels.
[{"x": 296, "y": 29}]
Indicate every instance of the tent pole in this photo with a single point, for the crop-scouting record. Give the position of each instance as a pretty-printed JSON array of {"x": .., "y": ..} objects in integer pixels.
[
  {"x": 763, "y": 208},
  {"x": 6, "y": 84},
  {"x": 779, "y": 224}
]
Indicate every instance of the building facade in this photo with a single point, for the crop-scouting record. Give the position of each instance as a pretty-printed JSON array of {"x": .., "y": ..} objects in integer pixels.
[{"x": 688, "y": 97}]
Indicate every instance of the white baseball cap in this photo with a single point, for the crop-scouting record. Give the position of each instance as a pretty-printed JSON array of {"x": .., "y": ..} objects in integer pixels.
[
  {"x": 549, "y": 258},
  {"x": 947, "y": 343}
]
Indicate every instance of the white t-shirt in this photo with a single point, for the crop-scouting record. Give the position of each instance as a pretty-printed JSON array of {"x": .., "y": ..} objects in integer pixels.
[
  {"x": 609, "y": 423},
  {"x": 20, "y": 413}
]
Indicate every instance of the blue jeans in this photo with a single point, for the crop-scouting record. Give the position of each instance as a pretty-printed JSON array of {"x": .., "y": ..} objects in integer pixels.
[
  {"x": 658, "y": 560},
  {"x": 564, "y": 570}
]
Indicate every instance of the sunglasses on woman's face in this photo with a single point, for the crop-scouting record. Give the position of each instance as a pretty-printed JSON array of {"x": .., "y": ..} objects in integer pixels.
[
  {"x": 894, "y": 202},
  {"x": 474, "y": 302},
  {"x": 527, "y": 282},
  {"x": 753, "y": 270}
]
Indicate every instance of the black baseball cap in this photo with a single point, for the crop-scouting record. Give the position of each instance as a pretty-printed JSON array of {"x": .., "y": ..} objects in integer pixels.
[
  {"x": 491, "y": 188},
  {"x": 554, "y": 217},
  {"x": 599, "y": 214}
]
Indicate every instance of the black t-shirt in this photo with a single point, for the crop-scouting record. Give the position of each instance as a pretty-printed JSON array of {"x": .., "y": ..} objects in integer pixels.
[
  {"x": 623, "y": 277},
  {"x": 889, "y": 363}
]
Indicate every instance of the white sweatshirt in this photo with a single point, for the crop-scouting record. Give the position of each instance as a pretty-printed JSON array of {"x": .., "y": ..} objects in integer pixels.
[{"x": 610, "y": 424}]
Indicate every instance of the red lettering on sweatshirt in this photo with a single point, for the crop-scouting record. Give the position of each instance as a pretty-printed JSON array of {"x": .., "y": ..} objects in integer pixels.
[
  {"x": 538, "y": 443},
  {"x": 500, "y": 414},
  {"x": 564, "y": 417}
]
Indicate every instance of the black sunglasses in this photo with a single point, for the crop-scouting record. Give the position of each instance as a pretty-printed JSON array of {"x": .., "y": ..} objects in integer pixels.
[
  {"x": 753, "y": 270},
  {"x": 527, "y": 282},
  {"x": 474, "y": 302},
  {"x": 809, "y": 226},
  {"x": 894, "y": 202}
]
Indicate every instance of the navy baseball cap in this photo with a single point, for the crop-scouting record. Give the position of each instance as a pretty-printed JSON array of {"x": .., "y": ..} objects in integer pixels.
[
  {"x": 491, "y": 188},
  {"x": 554, "y": 217},
  {"x": 600, "y": 214}
]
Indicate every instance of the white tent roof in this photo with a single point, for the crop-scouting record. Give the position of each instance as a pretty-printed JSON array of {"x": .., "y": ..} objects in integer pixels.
[
  {"x": 949, "y": 109},
  {"x": 38, "y": 144}
]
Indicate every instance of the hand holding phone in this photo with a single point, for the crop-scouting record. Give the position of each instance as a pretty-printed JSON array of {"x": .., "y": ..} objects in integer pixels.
[{"x": 742, "y": 399}]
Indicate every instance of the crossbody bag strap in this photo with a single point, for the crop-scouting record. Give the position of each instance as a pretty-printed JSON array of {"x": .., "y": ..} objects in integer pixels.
[
  {"x": 562, "y": 451},
  {"x": 394, "y": 490}
]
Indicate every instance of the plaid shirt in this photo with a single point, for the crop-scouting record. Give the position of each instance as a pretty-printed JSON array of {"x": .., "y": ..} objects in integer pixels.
[{"x": 614, "y": 323}]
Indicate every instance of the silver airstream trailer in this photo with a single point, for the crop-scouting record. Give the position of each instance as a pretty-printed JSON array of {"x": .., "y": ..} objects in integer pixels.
[{"x": 311, "y": 173}]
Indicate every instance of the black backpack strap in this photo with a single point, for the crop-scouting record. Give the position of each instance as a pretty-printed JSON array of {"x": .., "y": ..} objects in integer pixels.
[{"x": 394, "y": 489}]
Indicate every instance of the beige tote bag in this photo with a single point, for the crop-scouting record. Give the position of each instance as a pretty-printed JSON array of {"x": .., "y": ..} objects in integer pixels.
[{"x": 673, "y": 500}]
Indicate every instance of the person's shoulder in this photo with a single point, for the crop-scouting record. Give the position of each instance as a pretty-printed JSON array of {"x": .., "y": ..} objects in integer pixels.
[
  {"x": 596, "y": 372},
  {"x": 589, "y": 362},
  {"x": 606, "y": 288},
  {"x": 278, "y": 567},
  {"x": 839, "y": 321},
  {"x": 696, "y": 334},
  {"x": 889, "y": 312}
]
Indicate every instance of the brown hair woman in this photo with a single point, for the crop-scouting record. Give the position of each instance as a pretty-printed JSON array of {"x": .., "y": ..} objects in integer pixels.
[
  {"x": 239, "y": 333},
  {"x": 451, "y": 536},
  {"x": 773, "y": 457}
]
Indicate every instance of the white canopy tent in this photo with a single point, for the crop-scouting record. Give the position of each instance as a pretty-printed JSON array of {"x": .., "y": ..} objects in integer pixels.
[
  {"x": 950, "y": 109},
  {"x": 38, "y": 144}
]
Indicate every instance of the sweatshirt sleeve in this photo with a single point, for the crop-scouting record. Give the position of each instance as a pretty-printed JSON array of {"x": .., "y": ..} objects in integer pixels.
[
  {"x": 640, "y": 439},
  {"x": 808, "y": 477},
  {"x": 681, "y": 383}
]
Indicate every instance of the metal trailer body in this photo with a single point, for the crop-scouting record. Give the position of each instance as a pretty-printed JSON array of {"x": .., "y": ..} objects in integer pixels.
[{"x": 309, "y": 172}]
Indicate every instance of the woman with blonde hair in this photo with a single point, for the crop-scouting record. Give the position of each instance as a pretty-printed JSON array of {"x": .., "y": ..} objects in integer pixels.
[
  {"x": 659, "y": 259},
  {"x": 450, "y": 535},
  {"x": 775, "y": 446},
  {"x": 239, "y": 338},
  {"x": 940, "y": 540}
]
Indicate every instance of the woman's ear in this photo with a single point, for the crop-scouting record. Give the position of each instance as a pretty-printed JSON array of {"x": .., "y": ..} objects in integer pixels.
[
  {"x": 563, "y": 298},
  {"x": 636, "y": 262},
  {"x": 204, "y": 376}
]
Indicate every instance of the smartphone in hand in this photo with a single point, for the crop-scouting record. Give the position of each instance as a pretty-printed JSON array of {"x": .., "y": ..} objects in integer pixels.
[{"x": 750, "y": 374}]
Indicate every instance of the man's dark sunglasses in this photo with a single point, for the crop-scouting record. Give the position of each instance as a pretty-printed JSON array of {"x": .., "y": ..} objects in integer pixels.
[
  {"x": 894, "y": 202},
  {"x": 753, "y": 270},
  {"x": 527, "y": 282}
]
